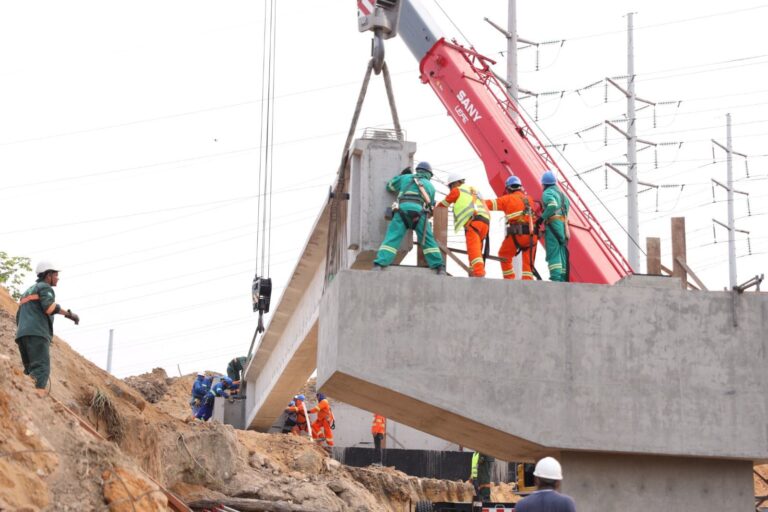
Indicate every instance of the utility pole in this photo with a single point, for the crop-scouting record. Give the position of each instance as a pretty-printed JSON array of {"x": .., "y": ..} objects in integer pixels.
[
  {"x": 109, "y": 351},
  {"x": 731, "y": 226},
  {"x": 633, "y": 223},
  {"x": 512, "y": 49}
]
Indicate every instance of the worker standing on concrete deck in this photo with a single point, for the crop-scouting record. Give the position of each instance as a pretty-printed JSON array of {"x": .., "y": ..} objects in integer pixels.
[
  {"x": 219, "y": 389},
  {"x": 415, "y": 200},
  {"x": 235, "y": 368},
  {"x": 34, "y": 321},
  {"x": 520, "y": 237},
  {"x": 547, "y": 475},
  {"x": 555, "y": 217},
  {"x": 298, "y": 408},
  {"x": 471, "y": 215},
  {"x": 480, "y": 476},
  {"x": 324, "y": 421}
]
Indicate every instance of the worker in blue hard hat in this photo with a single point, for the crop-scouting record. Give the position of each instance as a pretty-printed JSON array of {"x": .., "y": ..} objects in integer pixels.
[
  {"x": 415, "y": 200},
  {"x": 219, "y": 389},
  {"x": 298, "y": 408},
  {"x": 520, "y": 237},
  {"x": 199, "y": 389},
  {"x": 555, "y": 217}
]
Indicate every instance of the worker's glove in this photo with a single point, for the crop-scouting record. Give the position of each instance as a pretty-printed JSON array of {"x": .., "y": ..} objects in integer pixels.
[
  {"x": 407, "y": 170},
  {"x": 72, "y": 316}
]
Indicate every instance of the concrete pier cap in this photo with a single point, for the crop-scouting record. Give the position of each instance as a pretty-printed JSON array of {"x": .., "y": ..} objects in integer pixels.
[{"x": 584, "y": 372}]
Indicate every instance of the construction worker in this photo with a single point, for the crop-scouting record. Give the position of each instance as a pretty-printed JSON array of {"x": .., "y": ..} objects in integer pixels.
[
  {"x": 34, "y": 324},
  {"x": 324, "y": 421},
  {"x": 556, "y": 235},
  {"x": 415, "y": 200},
  {"x": 298, "y": 408},
  {"x": 471, "y": 215},
  {"x": 219, "y": 389},
  {"x": 379, "y": 431},
  {"x": 547, "y": 475},
  {"x": 235, "y": 368},
  {"x": 480, "y": 476},
  {"x": 290, "y": 418},
  {"x": 199, "y": 389},
  {"x": 520, "y": 236}
]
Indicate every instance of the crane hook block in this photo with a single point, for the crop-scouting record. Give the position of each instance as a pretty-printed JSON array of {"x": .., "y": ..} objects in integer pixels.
[{"x": 261, "y": 293}]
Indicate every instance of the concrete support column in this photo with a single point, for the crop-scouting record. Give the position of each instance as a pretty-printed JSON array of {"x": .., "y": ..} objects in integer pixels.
[{"x": 638, "y": 483}]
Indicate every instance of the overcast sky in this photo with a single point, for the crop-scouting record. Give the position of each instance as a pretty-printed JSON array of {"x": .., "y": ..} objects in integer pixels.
[{"x": 129, "y": 143}]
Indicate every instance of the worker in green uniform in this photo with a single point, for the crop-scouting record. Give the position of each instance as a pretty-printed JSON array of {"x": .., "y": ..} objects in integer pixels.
[
  {"x": 555, "y": 217},
  {"x": 415, "y": 200},
  {"x": 235, "y": 368},
  {"x": 34, "y": 321},
  {"x": 480, "y": 476}
]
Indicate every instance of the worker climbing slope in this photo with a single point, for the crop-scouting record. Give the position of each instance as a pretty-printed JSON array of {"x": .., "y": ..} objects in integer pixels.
[
  {"x": 34, "y": 321},
  {"x": 324, "y": 423},
  {"x": 415, "y": 200},
  {"x": 520, "y": 237},
  {"x": 299, "y": 409},
  {"x": 556, "y": 235},
  {"x": 471, "y": 215}
]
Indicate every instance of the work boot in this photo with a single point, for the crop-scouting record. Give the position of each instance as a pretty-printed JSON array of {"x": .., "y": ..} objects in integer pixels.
[
  {"x": 440, "y": 270},
  {"x": 377, "y": 268}
]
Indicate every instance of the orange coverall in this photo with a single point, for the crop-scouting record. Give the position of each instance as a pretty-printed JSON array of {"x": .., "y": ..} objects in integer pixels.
[
  {"x": 513, "y": 205},
  {"x": 301, "y": 419},
  {"x": 323, "y": 421},
  {"x": 475, "y": 232}
]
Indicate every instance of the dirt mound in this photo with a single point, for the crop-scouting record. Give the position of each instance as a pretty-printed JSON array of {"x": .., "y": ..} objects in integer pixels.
[
  {"x": 49, "y": 461},
  {"x": 152, "y": 386}
]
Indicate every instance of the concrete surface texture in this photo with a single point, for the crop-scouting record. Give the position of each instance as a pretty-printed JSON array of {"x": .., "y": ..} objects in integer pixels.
[
  {"x": 552, "y": 366},
  {"x": 638, "y": 483},
  {"x": 353, "y": 428}
]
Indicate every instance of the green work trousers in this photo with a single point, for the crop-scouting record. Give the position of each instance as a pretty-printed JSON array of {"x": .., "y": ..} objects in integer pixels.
[
  {"x": 557, "y": 258},
  {"x": 36, "y": 357},
  {"x": 395, "y": 233}
]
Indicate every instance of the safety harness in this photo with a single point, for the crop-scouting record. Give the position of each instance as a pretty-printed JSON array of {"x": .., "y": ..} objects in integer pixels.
[
  {"x": 515, "y": 226},
  {"x": 411, "y": 219}
]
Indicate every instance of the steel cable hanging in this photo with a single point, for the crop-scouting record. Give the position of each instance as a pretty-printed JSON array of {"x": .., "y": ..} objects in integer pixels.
[{"x": 261, "y": 288}]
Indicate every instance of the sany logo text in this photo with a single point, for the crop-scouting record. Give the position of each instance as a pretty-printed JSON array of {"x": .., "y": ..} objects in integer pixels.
[{"x": 468, "y": 106}]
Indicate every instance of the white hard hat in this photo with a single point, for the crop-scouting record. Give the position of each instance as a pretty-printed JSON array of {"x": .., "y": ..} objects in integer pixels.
[
  {"x": 45, "y": 266},
  {"x": 549, "y": 469},
  {"x": 454, "y": 177}
]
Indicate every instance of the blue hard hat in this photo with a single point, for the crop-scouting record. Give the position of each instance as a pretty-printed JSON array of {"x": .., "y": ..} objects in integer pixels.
[
  {"x": 227, "y": 381},
  {"x": 513, "y": 181},
  {"x": 291, "y": 403},
  {"x": 320, "y": 397},
  {"x": 300, "y": 397},
  {"x": 424, "y": 166},
  {"x": 548, "y": 178}
]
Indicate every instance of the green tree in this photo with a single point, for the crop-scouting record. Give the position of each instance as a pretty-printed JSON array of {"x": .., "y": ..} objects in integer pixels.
[{"x": 12, "y": 270}]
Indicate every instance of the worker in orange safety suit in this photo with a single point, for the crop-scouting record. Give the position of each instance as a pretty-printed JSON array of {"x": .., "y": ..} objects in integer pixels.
[
  {"x": 324, "y": 420},
  {"x": 378, "y": 431},
  {"x": 520, "y": 236},
  {"x": 300, "y": 410},
  {"x": 470, "y": 214}
]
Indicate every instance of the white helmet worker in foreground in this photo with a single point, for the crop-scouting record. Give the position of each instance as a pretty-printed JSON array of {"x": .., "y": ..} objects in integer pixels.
[
  {"x": 34, "y": 324},
  {"x": 546, "y": 498}
]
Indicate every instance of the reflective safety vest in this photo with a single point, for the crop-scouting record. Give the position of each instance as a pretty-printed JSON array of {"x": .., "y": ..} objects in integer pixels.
[
  {"x": 467, "y": 206},
  {"x": 379, "y": 425},
  {"x": 475, "y": 461}
]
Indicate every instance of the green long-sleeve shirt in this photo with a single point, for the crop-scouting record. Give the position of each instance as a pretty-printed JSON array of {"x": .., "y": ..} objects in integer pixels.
[{"x": 32, "y": 319}]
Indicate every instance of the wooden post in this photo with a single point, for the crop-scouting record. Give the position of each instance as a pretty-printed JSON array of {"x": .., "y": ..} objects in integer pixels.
[
  {"x": 653, "y": 251},
  {"x": 678, "y": 250}
]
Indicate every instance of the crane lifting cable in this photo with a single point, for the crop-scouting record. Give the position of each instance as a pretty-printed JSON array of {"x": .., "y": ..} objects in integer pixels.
[
  {"x": 261, "y": 288},
  {"x": 380, "y": 17}
]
